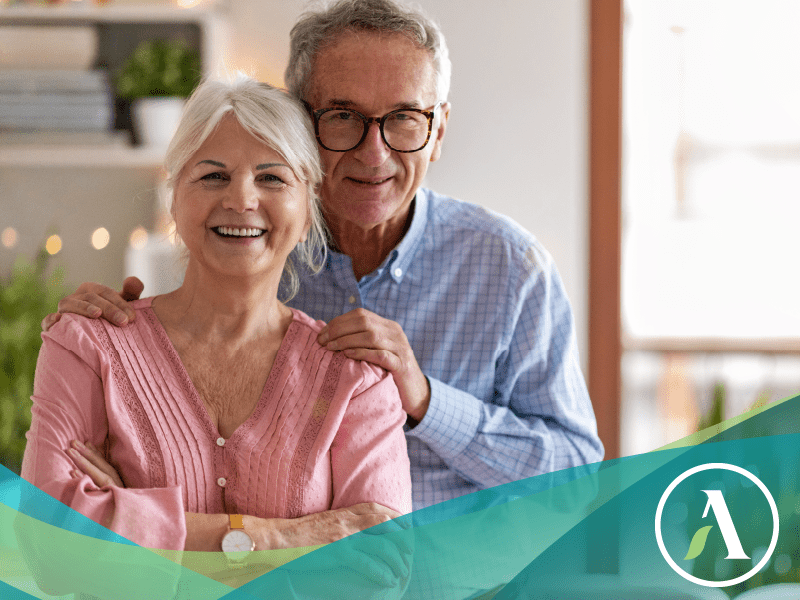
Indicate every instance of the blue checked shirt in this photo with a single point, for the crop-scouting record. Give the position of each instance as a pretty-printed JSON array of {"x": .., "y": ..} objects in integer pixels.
[{"x": 491, "y": 327}]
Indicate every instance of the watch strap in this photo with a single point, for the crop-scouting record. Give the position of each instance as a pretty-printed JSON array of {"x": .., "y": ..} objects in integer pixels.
[{"x": 237, "y": 521}]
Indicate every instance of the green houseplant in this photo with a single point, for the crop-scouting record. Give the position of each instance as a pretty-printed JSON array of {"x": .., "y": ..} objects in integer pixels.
[
  {"x": 156, "y": 78},
  {"x": 27, "y": 295}
]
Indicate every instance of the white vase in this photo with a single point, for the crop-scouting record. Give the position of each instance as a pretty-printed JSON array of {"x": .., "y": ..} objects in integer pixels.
[{"x": 156, "y": 119}]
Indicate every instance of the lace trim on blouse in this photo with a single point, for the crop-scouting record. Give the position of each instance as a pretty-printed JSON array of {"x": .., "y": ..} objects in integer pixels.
[{"x": 144, "y": 429}]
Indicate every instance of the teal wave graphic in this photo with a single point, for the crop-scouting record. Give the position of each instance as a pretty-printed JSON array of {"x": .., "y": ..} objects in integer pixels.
[{"x": 587, "y": 528}]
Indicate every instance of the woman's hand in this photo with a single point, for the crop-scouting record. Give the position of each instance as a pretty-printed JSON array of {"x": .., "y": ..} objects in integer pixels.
[
  {"x": 90, "y": 462},
  {"x": 324, "y": 527}
]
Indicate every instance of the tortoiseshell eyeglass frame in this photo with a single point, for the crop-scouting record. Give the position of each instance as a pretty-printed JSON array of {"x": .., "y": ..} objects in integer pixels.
[{"x": 316, "y": 114}]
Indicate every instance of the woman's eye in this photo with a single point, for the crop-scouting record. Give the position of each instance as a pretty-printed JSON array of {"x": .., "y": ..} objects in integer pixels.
[
  {"x": 213, "y": 177},
  {"x": 271, "y": 179}
]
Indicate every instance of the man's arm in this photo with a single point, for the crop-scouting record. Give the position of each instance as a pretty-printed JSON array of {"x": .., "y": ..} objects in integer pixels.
[
  {"x": 533, "y": 416},
  {"x": 95, "y": 300},
  {"x": 363, "y": 335}
]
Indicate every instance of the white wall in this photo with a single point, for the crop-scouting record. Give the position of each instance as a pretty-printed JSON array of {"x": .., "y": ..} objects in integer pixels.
[
  {"x": 516, "y": 140},
  {"x": 517, "y": 136}
]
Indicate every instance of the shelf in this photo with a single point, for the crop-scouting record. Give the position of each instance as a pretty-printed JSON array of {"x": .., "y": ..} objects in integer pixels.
[
  {"x": 85, "y": 12},
  {"x": 81, "y": 156}
]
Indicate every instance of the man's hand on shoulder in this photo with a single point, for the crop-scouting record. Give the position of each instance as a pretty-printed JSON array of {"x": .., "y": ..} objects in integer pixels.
[
  {"x": 95, "y": 300},
  {"x": 363, "y": 335}
]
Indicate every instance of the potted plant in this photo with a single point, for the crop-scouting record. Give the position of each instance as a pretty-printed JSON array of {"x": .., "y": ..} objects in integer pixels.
[
  {"x": 157, "y": 78},
  {"x": 27, "y": 295}
]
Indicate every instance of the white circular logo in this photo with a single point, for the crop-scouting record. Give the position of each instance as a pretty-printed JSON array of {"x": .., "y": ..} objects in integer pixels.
[{"x": 725, "y": 523}]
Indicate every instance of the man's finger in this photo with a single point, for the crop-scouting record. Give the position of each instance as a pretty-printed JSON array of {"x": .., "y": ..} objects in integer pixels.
[
  {"x": 349, "y": 323},
  {"x": 50, "y": 320},
  {"x": 373, "y": 340},
  {"x": 93, "y": 305},
  {"x": 132, "y": 289},
  {"x": 381, "y": 358}
]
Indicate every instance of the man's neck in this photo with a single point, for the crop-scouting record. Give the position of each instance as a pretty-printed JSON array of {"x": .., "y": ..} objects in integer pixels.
[{"x": 368, "y": 247}]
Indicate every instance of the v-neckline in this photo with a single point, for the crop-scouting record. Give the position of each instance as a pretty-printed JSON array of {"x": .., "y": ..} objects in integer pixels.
[{"x": 196, "y": 402}]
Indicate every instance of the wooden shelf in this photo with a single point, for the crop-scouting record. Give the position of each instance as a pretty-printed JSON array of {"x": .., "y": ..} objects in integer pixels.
[
  {"x": 83, "y": 156},
  {"x": 84, "y": 12}
]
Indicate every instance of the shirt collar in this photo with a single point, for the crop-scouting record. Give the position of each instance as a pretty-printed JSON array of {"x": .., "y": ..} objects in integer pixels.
[
  {"x": 401, "y": 257},
  {"x": 398, "y": 259}
]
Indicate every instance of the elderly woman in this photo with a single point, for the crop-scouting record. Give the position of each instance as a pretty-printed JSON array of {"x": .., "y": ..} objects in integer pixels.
[{"x": 224, "y": 424}]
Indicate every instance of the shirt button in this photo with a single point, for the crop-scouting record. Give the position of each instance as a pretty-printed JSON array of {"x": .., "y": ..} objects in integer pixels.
[
  {"x": 221, "y": 482},
  {"x": 398, "y": 272},
  {"x": 352, "y": 299},
  {"x": 220, "y": 441}
]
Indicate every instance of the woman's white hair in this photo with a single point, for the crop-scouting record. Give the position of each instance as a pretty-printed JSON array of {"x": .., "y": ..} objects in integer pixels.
[{"x": 281, "y": 122}]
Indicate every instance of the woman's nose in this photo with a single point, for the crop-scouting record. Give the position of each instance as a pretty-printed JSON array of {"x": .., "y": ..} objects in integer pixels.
[{"x": 241, "y": 197}]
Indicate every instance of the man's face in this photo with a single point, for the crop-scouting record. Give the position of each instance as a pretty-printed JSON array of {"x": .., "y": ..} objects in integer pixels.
[{"x": 374, "y": 73}]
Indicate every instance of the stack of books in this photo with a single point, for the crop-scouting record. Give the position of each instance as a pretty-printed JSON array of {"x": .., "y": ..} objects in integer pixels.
[{"x": 38, "y": 101}]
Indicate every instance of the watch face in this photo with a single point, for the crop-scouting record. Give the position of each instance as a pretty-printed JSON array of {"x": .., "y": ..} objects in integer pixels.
[{"x": 237, "y": 540}]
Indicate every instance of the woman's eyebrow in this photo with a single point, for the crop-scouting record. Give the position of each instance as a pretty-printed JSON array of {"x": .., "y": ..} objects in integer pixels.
[
  {"x": 268, "y": 165},
  {"x": 212, "y": 162}
]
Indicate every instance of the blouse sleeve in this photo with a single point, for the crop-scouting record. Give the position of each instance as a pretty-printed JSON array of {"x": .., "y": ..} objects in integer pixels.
[
  {"x": 368, "y": 455},
  {"x": 69, "y": 404}
]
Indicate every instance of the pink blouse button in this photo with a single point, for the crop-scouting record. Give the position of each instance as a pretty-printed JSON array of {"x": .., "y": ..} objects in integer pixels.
[
  {"x": 220, "y": 441},
  {"x": 221, "y": 482}
]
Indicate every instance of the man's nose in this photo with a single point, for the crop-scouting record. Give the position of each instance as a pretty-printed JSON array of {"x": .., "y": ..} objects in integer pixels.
[{"x": 373, "y": 151}]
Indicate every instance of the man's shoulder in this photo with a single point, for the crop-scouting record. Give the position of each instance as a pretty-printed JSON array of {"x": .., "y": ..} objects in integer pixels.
[{"x": 470, "y": 225}]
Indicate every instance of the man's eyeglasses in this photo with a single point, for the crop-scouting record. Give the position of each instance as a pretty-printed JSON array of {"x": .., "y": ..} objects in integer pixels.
[{"x": 403, "y": 130}]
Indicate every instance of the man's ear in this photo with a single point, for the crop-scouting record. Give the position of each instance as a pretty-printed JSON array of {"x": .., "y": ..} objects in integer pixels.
[{"x": 438, "y": 133}]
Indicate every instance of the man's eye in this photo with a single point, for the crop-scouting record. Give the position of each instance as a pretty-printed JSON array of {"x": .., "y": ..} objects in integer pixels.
[{"x": 338, "y": 116}]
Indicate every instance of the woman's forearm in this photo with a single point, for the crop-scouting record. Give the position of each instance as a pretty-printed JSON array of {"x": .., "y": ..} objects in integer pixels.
[{"x": 205, "y": 532}]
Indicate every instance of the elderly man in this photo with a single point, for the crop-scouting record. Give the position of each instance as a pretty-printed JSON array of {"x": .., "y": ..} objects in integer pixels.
[{"x": 464, "y": 307}]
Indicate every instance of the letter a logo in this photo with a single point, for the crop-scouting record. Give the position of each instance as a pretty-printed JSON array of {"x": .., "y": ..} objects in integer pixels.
[
  {"x": 716, "y": 502},
  {"x": 716, "y": 513}
]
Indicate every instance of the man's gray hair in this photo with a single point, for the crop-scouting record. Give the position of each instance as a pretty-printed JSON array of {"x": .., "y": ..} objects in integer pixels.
[
  {"x": 282, "y": 123},
  {"x": 320, "y": 26}
]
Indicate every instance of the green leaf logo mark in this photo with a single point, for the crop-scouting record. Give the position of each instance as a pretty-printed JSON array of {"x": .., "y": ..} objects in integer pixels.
[{"x": 698, "y": 542}]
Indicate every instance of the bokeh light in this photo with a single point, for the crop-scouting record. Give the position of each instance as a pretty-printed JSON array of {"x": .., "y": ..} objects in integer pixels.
[
  {"x": 100, "y": 238},
  {"x": 53, "y": 244},
  {"x": 9, "y": 237},
  {"x": 138, "y": 239}
]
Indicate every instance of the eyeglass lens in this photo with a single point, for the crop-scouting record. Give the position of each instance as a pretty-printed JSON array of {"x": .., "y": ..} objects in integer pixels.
[{"x": 404, "y": 130}]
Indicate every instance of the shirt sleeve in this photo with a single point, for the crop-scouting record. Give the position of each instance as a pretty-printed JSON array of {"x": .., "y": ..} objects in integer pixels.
[
  {"x": 68, "y": 404},
  {"x": 538, "y": 417},
  {"x": 369, "y": 455}
]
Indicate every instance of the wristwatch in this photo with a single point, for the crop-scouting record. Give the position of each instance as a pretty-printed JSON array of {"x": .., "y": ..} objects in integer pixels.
[{"x": 237, "y": 541}]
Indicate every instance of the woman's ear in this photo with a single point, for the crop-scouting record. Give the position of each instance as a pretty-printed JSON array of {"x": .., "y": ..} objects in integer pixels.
[{"x": 306, "y": 229}]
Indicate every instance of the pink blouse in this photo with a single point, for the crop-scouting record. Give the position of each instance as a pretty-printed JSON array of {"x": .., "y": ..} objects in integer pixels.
[{"x": 326, "y": 432}]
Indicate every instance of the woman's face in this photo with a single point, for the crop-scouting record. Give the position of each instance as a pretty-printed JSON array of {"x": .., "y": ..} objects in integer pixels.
[{"x": 238, "y": 206}]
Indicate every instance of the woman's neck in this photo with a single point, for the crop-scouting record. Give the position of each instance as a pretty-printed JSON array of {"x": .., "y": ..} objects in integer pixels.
[{"x": 207, "y": 308}]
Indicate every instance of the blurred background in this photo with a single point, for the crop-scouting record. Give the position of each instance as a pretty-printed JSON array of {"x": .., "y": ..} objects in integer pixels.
[{"x": 707, "y": 106}]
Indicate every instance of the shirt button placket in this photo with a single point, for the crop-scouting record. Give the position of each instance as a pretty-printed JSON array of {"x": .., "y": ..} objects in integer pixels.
[{"x": 221, "y": 465}]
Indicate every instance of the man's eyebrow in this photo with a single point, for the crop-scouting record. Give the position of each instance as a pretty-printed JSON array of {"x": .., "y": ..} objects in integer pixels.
[
  {"x": 349, "y": 104},
  {"x": 212, "y": 162}
]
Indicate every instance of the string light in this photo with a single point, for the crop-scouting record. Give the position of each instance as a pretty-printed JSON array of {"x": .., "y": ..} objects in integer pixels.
[
  {"x": 100, "y": 238},
  {"x": 53, "y": 244},
  {"x": 138, "y": 239},
  {"x": 9, "y": 237}
]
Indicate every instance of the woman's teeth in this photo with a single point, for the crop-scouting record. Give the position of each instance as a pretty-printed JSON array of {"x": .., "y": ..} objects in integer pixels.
[{"x": 236, "y": 232}]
